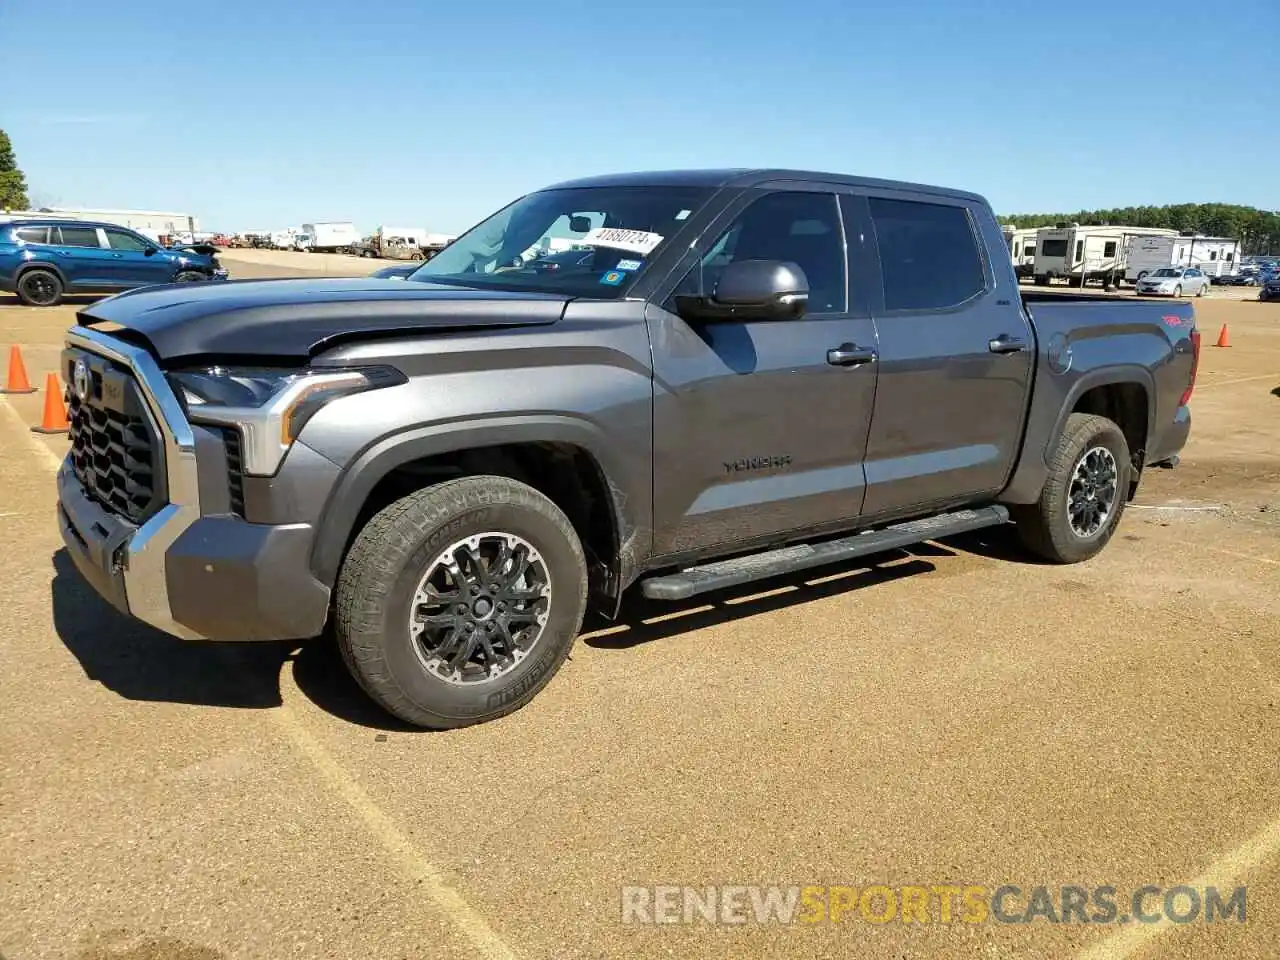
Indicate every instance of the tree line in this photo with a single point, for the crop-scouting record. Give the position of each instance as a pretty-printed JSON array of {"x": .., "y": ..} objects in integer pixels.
[
  {"x": 13, "y": 186},
  {"x": 1257, "y": 230}
]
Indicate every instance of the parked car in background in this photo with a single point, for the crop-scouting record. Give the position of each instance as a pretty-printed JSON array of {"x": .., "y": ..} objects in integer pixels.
[
  {"x": 41, "y": 260},
  {"x": 1174, "y": 282},
  {"x": 1246, "y": 278},
  {"x": 1270, "y": 290}
]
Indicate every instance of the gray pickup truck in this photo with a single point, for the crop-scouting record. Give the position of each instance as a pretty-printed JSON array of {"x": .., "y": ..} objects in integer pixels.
[{"x": 754, "y": 372}]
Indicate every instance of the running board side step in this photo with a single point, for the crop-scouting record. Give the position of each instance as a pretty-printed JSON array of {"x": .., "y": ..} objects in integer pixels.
[{"x": 758, "y": 566}]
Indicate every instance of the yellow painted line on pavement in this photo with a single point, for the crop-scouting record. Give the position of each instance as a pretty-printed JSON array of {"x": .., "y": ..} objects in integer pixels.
[
  {"x": 433, "y": 881},
  {"x": 51, "y": 459},
  {"x": 1227, "y": 871},
  {"x": 1203, "y": 385}
]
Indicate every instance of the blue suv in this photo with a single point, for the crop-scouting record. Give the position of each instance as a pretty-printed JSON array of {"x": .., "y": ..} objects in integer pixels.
[{"x": 40, "y": 260}]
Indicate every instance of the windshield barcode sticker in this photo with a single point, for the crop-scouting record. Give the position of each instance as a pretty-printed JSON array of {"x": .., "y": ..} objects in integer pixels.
[{"x": 636, "y": 241}]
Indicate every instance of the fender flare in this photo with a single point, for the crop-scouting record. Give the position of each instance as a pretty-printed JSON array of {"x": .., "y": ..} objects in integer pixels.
[
  {"x": 363, "y": 473},
  {"x": 1127, "y": 373},
  {"x": 30, "y": 265}
]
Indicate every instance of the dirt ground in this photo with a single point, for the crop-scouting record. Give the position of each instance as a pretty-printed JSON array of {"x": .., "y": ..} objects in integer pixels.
[{"x": 950, "y": 715}]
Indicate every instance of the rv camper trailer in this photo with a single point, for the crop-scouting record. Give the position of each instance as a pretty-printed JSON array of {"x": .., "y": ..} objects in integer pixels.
[
  {"x": 1214, "y": 256},
  {"x": 1022, "y": 249},
  {"x": 1079, "y": 254}
]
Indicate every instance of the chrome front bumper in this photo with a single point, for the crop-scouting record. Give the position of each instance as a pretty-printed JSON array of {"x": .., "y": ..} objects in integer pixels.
[{"x": 139, "y": 560}]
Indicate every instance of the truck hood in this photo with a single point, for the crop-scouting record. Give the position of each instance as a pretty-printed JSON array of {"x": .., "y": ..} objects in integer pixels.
[{"x": 297, "y": 318}]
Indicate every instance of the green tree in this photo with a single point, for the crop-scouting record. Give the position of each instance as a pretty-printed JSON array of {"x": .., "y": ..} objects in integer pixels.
[{"x": 13, "y": 186}]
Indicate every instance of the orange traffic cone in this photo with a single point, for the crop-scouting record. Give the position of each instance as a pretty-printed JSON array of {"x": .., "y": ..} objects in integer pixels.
[
  {"x": 55, "y": 408},
  {"x": 1223, "y": 339},
  {"x": 17, "y": 381}
]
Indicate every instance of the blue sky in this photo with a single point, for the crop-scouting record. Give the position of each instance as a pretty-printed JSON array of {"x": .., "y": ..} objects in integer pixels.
[{"x": 268, "y": 113}]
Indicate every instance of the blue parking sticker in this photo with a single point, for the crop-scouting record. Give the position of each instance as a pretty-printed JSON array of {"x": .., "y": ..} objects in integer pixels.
[{"x": 613, "y": 278}]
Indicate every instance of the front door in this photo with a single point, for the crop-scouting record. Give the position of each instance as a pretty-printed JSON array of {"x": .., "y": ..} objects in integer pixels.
[
  {"x": 136, "y": 262},
  {"x": 956, "y": 355},
  {"x": 757, "y": 433}
]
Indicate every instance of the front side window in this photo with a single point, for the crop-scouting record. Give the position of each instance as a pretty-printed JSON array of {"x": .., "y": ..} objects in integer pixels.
[
  {"x": 79, "y": 236},
  {"x": 618, "y": 230},
  {"x": 125, "y": 241},
  {"x": 802, "y": 228},
  {"x": 929, "y": 257}
]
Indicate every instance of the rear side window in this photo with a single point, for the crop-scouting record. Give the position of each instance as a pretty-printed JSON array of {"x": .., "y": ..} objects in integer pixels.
[
  {"x": 32, "y": 234},
  {"x": 79, "y": 236},
  {"x": 928, "y": 254},
  {"x": 1054, "y": 248}
]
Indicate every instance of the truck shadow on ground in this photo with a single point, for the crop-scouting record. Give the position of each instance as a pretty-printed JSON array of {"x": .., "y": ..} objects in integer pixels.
[
  {"x": 140, "y": 663},
  {"x": 70, "y": 300}
]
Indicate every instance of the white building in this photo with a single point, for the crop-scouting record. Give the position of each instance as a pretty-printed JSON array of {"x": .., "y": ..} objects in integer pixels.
[{"x": 152, "y": 223}]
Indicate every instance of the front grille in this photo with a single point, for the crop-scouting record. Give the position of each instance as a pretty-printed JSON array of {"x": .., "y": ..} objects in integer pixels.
[{"x": 115, "y": 451}]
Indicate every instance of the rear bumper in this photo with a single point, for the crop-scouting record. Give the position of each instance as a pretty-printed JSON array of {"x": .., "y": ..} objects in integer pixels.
[{"x": 1173, "y": 439}]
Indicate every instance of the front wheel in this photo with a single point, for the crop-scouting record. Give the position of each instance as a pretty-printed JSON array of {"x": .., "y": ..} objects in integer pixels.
[
  {"x": 458, "y": 603},
  {"x": 1177, "y": 291},
  {"x": 1084, "y": 495}
]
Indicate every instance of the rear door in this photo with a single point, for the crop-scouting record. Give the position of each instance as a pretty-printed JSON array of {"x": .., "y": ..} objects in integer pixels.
[
  {"x": 956, "y": 353},
  {"x": 84, "y": 261},
  {"x": 759, "y": 426}
]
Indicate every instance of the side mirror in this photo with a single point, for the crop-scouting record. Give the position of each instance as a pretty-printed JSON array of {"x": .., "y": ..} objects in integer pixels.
[
  {"x": 150, "y": 251},
  {"x": 752, "y": 290}
]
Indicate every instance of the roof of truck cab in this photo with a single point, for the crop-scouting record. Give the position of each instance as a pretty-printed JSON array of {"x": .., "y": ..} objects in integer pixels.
[{"x": 750, "y": 177}]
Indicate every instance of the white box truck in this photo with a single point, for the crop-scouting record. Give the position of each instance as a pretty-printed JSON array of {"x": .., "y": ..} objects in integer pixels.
[{"x": 331, "y": 236}]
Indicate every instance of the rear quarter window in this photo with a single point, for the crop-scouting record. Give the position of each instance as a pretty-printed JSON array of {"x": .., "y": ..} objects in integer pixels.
[
  {"x": 31, "y": 234},
  {"x": 929, "y": 255}
]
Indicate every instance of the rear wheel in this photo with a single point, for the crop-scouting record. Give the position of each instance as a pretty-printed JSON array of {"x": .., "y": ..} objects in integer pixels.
[
  {"x": 40, "y": 288},
  {"x": 189, "y": 276},
  {"x": 1084, "y": 496},
  {"x": 460, "y": 602},
  {"x": 1204, "y": 287}
]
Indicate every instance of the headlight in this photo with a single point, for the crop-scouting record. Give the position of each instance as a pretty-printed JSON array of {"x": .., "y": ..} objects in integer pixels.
[{"x": 270, "y": 406}]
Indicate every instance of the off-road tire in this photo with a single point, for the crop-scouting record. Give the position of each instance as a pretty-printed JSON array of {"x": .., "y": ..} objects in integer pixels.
[
  {"x": 1043, "y": 526},
  {"x": 39, "y": 287},
  {"x": 391, "y": 553}
]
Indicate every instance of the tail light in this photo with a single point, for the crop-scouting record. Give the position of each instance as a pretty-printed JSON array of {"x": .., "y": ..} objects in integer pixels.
[{"x": 1195, "y": 365}]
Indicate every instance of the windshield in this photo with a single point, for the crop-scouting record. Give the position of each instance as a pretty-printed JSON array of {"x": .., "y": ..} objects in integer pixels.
[
  {"x": 1167, "y": 272},
  {"x": 617, "y": 229}
]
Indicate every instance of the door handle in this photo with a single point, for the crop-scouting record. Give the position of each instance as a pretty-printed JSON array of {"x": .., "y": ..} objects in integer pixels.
[
  {"x": 850, "y": 355},
  {"x": 117, "y": 256},
  {"x": 1006, "y": 344}
]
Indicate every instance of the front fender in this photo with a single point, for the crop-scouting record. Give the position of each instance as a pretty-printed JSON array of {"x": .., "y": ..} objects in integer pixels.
[{"x": 631, "y": 507}]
